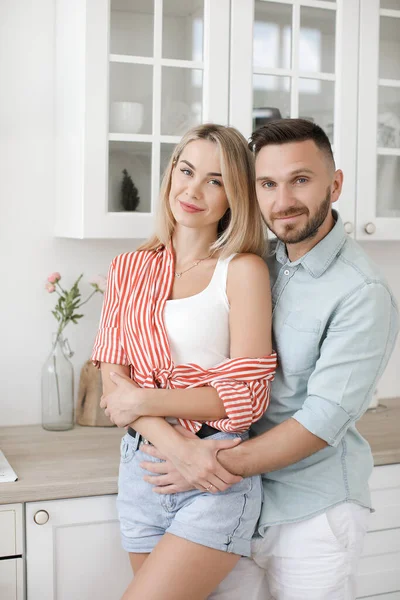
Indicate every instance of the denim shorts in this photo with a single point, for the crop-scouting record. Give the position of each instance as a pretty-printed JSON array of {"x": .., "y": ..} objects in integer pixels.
[{"x": 224, "y": 520}]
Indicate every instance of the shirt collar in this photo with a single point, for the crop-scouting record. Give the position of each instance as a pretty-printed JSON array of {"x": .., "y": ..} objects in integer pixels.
[{"x": 318, "y": 259}]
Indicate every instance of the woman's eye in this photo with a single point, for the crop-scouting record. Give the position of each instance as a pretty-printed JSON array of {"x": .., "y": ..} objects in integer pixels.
[
  {"x": 186, "y": 171},
  {"x": 268, "y": 184},
  {"x": 215, "y": 182}
]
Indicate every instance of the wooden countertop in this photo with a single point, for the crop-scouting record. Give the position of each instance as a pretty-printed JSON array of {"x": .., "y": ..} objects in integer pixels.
[
  {"x": 67, "y": 464},
  {"x": 381, "y": 427},
  {"x": 84, "y": 461}
]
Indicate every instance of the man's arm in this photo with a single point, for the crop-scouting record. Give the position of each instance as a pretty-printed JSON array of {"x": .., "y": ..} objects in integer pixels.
[
  {"x": 283, "y": 445},
  {"x": 354, "y": 354}
]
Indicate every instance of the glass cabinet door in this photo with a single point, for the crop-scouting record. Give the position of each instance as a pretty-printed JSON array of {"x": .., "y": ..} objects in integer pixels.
[
  {"x": 300, "y": 55},
  {"x": 379, "y": 125},
  {"x": 156, "y": 93},
  {"x": 134, "y": 76}
]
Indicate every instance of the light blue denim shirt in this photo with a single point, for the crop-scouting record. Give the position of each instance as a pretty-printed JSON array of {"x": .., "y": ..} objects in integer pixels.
[{"x": 335, "y": 322}]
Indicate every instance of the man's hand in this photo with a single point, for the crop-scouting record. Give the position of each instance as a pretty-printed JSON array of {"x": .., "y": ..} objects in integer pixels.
[
  {"x": 194, "y": 467},
  {"x": 122, "y": 404}
]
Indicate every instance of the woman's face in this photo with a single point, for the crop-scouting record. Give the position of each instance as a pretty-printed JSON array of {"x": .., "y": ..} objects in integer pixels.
[{"x": 197, "y": 197}]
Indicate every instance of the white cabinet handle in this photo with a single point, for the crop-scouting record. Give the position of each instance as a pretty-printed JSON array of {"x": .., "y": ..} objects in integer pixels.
[
  {"x": 348, "y": 227},
  {"x": 370, "y": 228},
  {"x": 41, "y": 517}
]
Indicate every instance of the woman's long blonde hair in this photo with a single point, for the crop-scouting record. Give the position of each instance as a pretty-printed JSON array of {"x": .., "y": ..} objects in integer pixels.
[{"x": 240, "y": 229}]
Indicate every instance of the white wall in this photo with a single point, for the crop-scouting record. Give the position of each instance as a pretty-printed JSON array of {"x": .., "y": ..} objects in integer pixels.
[{"x": 27, "y": 248}]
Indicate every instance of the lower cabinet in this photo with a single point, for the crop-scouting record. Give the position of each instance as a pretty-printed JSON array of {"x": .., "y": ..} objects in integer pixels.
[
  {"x": 73, "y": 550},
  {"x": 379, "y": 569}
]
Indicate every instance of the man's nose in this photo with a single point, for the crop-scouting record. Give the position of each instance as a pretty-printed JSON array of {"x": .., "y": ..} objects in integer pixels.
[{"x": 284, "y": 198}]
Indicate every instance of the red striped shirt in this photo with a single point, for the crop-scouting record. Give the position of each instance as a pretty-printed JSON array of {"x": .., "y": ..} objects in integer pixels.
[{"x": 132, "y": 333}]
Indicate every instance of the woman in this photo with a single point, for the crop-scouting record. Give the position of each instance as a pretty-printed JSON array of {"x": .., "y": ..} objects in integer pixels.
[{"x": 179, "y": 315}]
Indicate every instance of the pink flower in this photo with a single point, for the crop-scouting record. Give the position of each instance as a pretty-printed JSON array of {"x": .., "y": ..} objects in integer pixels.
[
  {"x": 50, "y": 288},
  {"x": 99, "y": 283},
  {"x": 54, "y": 277}
]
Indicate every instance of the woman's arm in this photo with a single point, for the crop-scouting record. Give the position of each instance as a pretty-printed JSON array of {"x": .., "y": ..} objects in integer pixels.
[
  {"x": 250, "y": 317},
  {"x": 248, "y": 291},
  {"x": 186, "y": 452}
]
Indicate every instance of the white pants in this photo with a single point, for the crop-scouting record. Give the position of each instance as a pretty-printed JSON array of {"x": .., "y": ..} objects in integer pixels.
[{"x": 315, "y": 559}]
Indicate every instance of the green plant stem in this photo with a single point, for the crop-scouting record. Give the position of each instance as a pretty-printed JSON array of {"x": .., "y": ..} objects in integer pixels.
[{"x": 87, "y": 299}]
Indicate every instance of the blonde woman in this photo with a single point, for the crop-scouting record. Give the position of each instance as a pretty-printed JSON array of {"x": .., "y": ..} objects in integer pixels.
[{"x": 185, "y": 337}]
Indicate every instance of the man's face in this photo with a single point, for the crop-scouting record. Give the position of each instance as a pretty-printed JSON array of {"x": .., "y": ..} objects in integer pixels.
[{"x": 296, "y": 184}]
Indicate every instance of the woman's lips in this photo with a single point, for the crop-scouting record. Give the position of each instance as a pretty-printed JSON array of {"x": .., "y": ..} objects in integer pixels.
[{"x": 190, "y": 207}]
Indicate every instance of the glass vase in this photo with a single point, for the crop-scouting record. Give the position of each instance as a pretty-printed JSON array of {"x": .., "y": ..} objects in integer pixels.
[{"x": 58, "y": 387}]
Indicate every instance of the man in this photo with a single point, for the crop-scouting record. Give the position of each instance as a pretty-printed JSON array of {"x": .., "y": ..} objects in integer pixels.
[{"x": 335, "y": 323}]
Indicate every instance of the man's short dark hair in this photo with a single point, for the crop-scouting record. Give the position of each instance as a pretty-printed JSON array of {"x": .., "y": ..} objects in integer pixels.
[{"x": 284, "y": 131}]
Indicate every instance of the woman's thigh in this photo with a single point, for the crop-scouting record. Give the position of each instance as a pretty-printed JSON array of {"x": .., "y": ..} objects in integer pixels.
[
  {"x": 172, "y": 571},
  {"x": 137, "y": 561}
]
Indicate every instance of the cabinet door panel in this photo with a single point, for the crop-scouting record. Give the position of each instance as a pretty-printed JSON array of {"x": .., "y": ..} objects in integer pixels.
[
  {"x": 289, "y": 60},
  {"x": 11, "y": 579},
  {"x": 77, "y": 552},
  {"x": 10, "y": 530},
  {"x": 378, "y": 205},
  {"x": 378, "y": 571}
]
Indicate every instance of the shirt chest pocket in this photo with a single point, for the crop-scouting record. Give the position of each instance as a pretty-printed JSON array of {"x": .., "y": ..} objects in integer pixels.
[{"x": 297, "y": 342}]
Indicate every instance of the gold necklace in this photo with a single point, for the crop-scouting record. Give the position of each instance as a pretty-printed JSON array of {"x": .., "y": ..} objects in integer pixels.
[{"x": 197, "y": 262}]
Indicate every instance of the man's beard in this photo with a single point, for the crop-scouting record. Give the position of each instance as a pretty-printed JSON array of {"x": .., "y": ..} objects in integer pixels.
[{"x": 293, "y": 236}]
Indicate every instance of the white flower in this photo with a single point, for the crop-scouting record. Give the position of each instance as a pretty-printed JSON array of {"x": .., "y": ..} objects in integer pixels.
[{"x": 99, "y": 283}]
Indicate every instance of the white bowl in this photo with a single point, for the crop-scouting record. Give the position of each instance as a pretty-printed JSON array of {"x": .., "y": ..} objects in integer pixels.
[{"x": 126, "y": 117}]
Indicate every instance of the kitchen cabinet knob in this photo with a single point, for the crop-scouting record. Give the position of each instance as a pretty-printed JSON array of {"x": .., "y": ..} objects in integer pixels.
[
  {"x": 348, "y": 227},
  {"x": 41, "y": 517},
  {"x": 370, "y": 228}
]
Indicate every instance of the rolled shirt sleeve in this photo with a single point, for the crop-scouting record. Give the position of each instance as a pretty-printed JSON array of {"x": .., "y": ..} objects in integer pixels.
[
  {"x": 354, "y": 354},
  {"x": 244, "y": 403},
  {"x": 107, "y": 346},
  {"x": 243, "y": 385}
]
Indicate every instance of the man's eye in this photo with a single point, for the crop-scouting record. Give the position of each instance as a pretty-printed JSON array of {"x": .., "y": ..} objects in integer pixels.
[
  {"x": 301, "y": 180},
  {"x": 269, "y": 184}
]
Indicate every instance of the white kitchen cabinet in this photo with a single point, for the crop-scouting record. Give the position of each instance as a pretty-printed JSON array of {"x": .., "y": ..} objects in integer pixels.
[
  {"x": 73, "y": 547},
  {"x": 73, "y": 550},
  {"x": 378, "y": 176},
  {"x": 379, "y": 569},
  {"x": 11, "y": 551},
  {"x": 131, "y": 77}
]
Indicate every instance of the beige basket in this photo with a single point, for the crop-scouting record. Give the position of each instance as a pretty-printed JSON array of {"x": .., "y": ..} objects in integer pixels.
[{"x": 88, "y": 411}]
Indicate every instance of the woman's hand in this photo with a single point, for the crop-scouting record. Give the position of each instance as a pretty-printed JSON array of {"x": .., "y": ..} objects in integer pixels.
[
  {"x": 164, "y": 477},
  {"x": 194, "y": 465},
  {"x": 122, "y": 403}
]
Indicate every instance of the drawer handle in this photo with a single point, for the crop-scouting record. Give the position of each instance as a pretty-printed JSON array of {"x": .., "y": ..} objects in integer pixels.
[
  {"x": 348, "y": 227},
  {"x": 41, "y": 517},
  {"x": 370, "y": 228}
]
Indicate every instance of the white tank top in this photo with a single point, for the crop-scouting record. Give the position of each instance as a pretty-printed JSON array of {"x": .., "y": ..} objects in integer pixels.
[{"x": 198, "y": 326}]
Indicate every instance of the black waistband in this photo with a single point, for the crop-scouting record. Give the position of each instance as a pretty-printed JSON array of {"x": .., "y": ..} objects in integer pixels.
[{"x": 204, "y": 431}]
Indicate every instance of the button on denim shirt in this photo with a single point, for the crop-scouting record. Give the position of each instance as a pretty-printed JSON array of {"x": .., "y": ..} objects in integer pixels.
[{"x": 335, "y": 322}]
